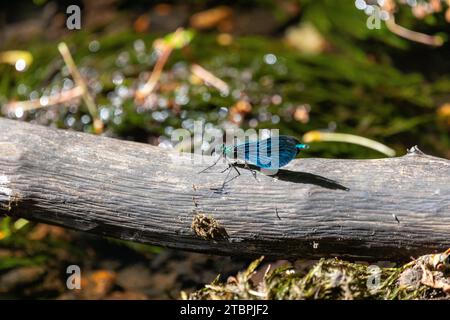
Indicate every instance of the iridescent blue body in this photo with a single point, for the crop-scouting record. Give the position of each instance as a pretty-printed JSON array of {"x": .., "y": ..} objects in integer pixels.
[{"x": 270, "y": 153}]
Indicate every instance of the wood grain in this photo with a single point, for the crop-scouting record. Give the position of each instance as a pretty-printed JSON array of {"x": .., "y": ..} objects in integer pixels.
[{"x": 383, "y": 209}]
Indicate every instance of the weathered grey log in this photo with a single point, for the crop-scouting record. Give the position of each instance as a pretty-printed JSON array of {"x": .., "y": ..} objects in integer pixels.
[{"x": 364, "y": 209}]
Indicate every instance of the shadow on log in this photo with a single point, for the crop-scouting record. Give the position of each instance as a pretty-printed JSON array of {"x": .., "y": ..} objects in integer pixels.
[{"x": 383, "y": 209}]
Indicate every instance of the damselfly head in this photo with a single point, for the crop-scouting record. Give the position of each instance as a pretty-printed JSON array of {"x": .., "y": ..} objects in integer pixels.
[
  {"x": 220, "y": 149},
  {"x": 302, "y": 146}
]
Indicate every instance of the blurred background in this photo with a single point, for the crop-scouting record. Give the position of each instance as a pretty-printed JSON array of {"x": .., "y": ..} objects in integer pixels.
[{"x": 331, "y": 73}]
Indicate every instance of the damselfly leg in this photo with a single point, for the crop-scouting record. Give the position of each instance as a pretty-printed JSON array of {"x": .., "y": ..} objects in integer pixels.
[
  {"x": 215, "y": 162},
  {"x": 230, "y": 166},
  {"x": 226, "y": 180},
  {"x": 246, "y": 166}
]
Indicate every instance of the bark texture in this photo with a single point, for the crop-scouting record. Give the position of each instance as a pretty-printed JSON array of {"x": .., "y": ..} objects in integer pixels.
[{"x": 383, "y": 209}]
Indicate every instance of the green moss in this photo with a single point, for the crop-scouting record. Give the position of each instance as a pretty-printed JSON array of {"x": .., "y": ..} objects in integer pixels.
[{"x": 333, "y": 279}]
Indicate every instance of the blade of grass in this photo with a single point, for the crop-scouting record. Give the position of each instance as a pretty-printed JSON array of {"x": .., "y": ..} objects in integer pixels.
[
  {"x": 175, "y": 40},
  {"x": 80, "y": 82},
  {"x": 316, "y": 136}
]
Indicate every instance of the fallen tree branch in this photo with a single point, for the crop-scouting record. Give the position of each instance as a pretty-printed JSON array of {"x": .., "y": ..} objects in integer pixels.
[{"x": 385, "y": 209}]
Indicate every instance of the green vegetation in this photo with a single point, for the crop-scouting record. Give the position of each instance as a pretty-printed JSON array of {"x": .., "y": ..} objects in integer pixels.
[{"x": 331, "y": 279}]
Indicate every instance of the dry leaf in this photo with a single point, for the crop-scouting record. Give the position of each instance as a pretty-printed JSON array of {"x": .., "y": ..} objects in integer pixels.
[{"x": 210, "y": 18}]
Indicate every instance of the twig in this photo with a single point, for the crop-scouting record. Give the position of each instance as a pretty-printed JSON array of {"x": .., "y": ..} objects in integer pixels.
[
  {"x": 210, "y": 78},
  {"x": 412, "y": 35},
  {"x": 148, "y": 88},
  {"x": 60, "y": 98},
  {"x": 65, "y": 52},
  {"x": 142, "y": 93}
]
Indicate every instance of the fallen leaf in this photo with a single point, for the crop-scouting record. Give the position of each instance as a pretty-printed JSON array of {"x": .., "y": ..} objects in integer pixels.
[{"x": 210, "y": 18}]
